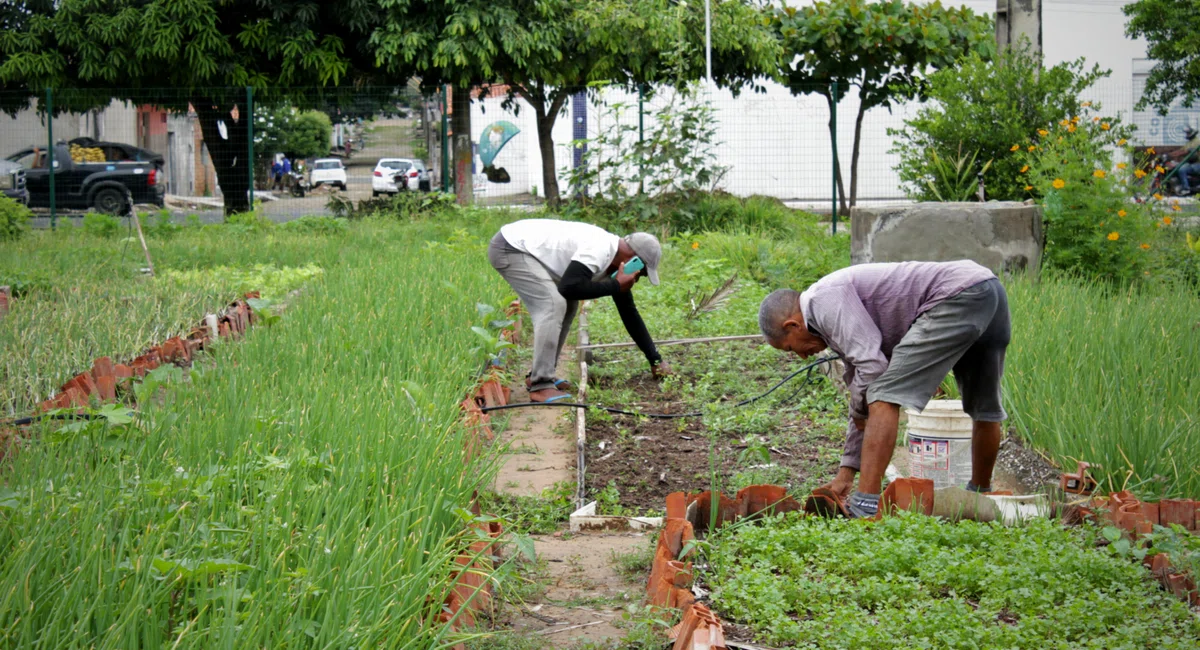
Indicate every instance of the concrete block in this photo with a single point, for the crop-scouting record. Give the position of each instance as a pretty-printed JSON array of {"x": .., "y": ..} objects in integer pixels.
[{"x": 1003, "y": 236}]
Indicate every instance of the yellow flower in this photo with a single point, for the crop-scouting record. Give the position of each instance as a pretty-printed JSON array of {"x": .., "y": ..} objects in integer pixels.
[
  {"x": 1145, "y": 247},
  {"x": 1075, "y": 120},
  {"x": 1043, "y": 132},
  {"x": 1167, "y": 221},
  {"x": 1114, "y": 236},
  {"x": 1105, "y": 126},
  {"x": 1121, "y": 213},
  {"x": 1122, "y": 142},
  {"x": 1150, "y": 151},
  {"x": 1139, "y": 173},
  {"x": 1015, "y": 147},
  {"x": 1032, "y": 148},
  {"x": 1028, "y": 187},
  {"x": 1070, "y": 128},
  {"x": 1121, "y": 165},
  {"x": 1086, "y": 104},
  {"x": 1095, "y": 119},
  {"x": 1176, "y": 207},
  {"x": 1065, "y": 123},
  {"x": 1158, "y": 197},
  {"x": 1059, "y": 183},
  {"x": 1025, "y": 169},
  {"x": 1099, "y": 173},
  {"x": 1159, "y": 169},
  {"x": 695, "y": 245}
]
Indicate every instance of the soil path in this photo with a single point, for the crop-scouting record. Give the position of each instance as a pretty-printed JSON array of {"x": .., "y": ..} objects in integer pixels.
[
  {"x": 582, "y": 587},
  {"x": 541, "y": 453}
]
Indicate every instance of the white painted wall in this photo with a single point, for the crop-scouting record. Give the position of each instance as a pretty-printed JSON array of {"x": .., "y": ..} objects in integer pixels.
[{"x": 778, "y": 145}]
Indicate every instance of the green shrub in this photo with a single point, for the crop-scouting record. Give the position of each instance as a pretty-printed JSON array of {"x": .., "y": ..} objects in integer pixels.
[
  {"x": 316, "y": 225},
  {"x": 14, "y": 219},
  {"x": 1091, "y": 225},
  {"x": 101, "y": 225},
  {"x": 694, "y": 212},
  {"x": 986, "y": 107},
  {"x": 252, "y": 221}
]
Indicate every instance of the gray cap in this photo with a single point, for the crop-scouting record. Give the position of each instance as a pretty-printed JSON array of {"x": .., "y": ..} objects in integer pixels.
[{"x": 646, "y": 246}]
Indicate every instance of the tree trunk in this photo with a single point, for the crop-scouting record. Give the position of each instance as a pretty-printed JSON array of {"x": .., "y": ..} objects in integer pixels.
[
  {"x": 854, "y": 155},
  {"x": 545, "y": 128},
  {"x": 837, "y": 166},
  {"x": 431, "y": 118},
  {"x": 464, "y": 155},
  {"x": 229, "y": 154}
]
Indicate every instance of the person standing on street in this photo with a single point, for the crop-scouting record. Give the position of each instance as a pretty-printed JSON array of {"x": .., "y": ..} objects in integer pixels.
[
  {"x": 552, "y": 265},
  {"x": 900, "y": 329}
]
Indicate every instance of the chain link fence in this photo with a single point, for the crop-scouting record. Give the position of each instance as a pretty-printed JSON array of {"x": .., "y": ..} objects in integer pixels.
[{"x": 194, "y": 155}]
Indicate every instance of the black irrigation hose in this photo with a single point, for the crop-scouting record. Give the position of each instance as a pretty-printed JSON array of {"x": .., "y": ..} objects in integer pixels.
[
  {"x": 671, "y": 416},
  {"x": 26, "y": 421}
]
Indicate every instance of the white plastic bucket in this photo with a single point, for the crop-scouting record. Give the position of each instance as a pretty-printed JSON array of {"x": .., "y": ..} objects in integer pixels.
[{"x": 939, "y": 443}]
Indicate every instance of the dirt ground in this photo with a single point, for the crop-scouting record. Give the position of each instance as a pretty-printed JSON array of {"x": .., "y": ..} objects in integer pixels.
[
  {"x": 647, "y": 459},
  {"x": 541, "y": 453},
  {"x": 577, "y": 593}
]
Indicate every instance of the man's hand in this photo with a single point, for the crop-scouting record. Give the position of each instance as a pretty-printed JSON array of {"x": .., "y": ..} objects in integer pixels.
[
  {"x": 860, "y": 424},
  {"x": 661, "y": 369},
  {"x": 843, "y": 484},
  {"x": 626, "y": 280}
]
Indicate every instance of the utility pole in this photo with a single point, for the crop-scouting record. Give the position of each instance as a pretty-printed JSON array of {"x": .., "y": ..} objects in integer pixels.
[{"x": 1016, "y": 19}]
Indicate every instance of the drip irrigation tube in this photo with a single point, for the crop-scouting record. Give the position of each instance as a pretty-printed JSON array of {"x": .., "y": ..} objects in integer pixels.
[{"x": 671, "y": 416}]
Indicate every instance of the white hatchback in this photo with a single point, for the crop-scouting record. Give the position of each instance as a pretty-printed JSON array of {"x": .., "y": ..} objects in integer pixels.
[
  {"x": 329, "y": 170},
  {"x": 384, "y": 181}
]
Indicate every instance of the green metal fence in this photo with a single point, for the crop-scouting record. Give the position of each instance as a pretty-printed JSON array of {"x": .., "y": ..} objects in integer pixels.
[{"x": 205, "y": 153}]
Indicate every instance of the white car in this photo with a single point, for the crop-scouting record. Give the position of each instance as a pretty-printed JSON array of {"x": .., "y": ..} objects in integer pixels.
[
  {"x": 383, "y": 181},
  {"x": 328, "y": 170}
]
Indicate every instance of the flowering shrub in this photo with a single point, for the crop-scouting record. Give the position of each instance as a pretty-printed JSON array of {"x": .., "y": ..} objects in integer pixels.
[{"x": 1092, "y": 226}]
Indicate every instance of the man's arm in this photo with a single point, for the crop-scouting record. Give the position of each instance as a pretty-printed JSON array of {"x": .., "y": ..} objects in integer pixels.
[
  {"x": 577, "y": 284},
  {"x": 847, "y": 327},
  {"x": 634, "y": 325}
]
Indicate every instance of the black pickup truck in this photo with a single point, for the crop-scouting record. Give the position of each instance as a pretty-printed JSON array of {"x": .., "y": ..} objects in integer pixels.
[
  {"x": 12, "y": 181},
  {"x": 126, "y": 174}
]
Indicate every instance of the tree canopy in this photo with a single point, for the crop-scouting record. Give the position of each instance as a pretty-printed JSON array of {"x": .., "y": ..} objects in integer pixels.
[
  {"x": 181, "y": 53},
  {"x": 1172, "y": 29},
  {"x": 882, "y": 50}
]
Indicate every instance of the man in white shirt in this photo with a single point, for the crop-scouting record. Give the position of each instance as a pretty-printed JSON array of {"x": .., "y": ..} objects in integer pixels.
[{"x": 552, "y": 265}]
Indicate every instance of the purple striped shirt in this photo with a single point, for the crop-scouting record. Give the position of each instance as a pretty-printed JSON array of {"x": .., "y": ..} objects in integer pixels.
[{"x": 863, "y": 311}]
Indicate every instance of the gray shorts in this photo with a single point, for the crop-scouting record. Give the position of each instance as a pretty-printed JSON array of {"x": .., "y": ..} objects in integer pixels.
[{"x": 967, "y": 333}]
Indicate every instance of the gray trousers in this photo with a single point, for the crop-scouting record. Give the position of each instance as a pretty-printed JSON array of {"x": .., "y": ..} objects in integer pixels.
[{"x": 551, "y": 313}]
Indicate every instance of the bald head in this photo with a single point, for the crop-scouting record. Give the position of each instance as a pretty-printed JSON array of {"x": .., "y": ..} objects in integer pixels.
[{"x": 777, "y": 308}]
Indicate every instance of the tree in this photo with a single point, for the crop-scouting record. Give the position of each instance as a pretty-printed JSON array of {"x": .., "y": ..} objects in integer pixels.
[
  {"x": 591, "y": 45},
  {"x": 985, "y": 108},
  {"x": 883, "y": 49},
  {"x": 1172, "y": 29},
  {"x": 198, "y": 53},
  {"x": 295, "y": 133},
  {"x": 544, "y": 51}
]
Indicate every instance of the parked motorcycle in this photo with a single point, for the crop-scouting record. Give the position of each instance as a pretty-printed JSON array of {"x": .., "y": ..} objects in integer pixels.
[
  {"x": 1167, "y": 181},
  {"x": 299, "y": 185}
]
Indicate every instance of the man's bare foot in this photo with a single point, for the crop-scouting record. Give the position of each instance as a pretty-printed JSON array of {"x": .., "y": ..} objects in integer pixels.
[{"x": 547, "y": 395}]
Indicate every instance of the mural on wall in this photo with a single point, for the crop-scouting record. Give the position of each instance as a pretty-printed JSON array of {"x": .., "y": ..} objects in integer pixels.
[
  {"x": 491, "y": 141},
  {"x": 1155, "y": 130}
]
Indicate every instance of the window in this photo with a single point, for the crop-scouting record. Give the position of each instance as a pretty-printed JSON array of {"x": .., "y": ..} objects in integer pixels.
[
  {"x": 395, "y": 164},
  {"x": 327, "y": 164}
]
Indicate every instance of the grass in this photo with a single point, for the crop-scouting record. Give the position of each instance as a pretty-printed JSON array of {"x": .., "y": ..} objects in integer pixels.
[
  {"x": 304, "y": 492},
  {"x": 914, "y": 581},
  {"x": 1111, "y": 377},
  {"x": 81, "y": 296}
]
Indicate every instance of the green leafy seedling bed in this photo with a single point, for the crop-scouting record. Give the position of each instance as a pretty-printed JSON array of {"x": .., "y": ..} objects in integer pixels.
[{"x": 919, "y": 582}]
